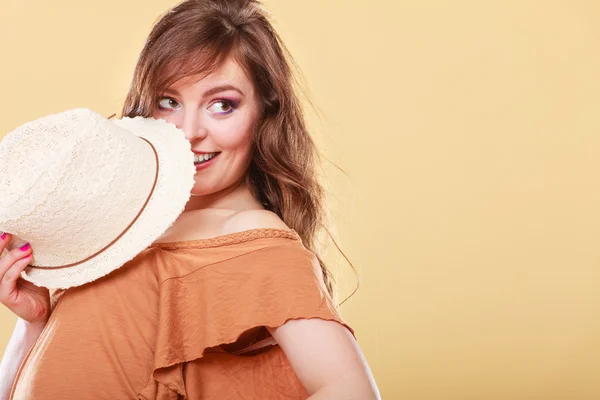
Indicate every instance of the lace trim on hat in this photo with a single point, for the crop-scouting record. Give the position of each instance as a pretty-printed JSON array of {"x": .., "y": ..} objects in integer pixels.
[{"x": 231, "y": 238}]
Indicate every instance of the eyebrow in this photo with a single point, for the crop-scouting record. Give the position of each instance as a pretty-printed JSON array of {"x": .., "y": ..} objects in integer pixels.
[{"x": 210, "y": 92}]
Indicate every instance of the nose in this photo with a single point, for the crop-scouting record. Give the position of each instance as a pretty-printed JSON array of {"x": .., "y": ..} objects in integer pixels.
[{"x": 192, "y": 126}]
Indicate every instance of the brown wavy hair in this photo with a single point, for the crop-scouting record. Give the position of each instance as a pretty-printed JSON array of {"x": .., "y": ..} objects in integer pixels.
[{"x": 197, "y": 37}]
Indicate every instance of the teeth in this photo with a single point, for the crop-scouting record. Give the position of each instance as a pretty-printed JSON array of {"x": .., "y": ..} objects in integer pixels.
[{"x": 198, "y": 158}]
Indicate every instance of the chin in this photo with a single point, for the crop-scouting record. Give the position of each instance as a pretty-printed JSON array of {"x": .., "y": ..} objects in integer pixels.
[{"x": 202, "y": 187}]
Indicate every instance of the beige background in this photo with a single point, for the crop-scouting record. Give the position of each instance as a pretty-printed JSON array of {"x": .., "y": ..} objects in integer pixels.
[{"x": 469, "y": 133}]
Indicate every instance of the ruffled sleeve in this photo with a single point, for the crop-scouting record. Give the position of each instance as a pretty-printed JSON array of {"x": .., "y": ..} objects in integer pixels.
[{"x": 217, "y": 303}]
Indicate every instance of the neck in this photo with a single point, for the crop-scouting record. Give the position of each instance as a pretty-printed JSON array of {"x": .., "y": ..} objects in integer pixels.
[{"x": 236, "y": 197}]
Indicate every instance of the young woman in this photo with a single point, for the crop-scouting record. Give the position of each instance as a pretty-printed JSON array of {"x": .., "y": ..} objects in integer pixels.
[{"x": 232, "y": 302}]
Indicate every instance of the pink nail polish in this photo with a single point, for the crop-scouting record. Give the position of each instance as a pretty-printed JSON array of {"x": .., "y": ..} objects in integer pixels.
[
  {"x": 25, "y": 247},
  {"x": 3, "y": 236}
]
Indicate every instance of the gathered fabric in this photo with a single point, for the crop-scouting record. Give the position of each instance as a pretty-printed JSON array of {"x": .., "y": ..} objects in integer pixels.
[{"x": 183, "y": 320}]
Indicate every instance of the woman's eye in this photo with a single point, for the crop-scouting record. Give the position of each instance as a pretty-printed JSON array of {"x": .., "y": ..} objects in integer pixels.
[
  {"x": 222, "y": 107},
  {"x": 167, "y": 103}
]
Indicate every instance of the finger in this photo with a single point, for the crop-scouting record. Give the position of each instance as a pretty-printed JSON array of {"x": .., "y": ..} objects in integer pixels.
[
  {"x": 14, "y": 272},
  {"x": 8, "y": 285},
  {"x": 4, "y": 240},
  {"x": 13, "y": 256}
]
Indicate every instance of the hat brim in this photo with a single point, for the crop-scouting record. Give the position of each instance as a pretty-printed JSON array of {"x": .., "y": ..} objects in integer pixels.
[{"x": 172, "y": 192}]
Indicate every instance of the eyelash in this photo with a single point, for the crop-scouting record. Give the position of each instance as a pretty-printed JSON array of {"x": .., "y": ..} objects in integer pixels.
[{"x": 232, "y": 105}]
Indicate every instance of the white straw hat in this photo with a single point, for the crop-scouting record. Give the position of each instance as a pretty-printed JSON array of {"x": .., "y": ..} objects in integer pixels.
[{"x": 89, "y": 193}]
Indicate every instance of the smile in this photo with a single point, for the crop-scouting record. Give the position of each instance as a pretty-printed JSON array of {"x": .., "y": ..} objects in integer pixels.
[{"x": 202, "y": 158}]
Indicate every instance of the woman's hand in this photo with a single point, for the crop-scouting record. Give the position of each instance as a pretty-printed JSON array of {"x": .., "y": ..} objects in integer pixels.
[{"x": 29, "y": 302}]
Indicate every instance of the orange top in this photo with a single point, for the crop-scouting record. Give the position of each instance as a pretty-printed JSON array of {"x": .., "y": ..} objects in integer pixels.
[{"x": 171, "y": 323}]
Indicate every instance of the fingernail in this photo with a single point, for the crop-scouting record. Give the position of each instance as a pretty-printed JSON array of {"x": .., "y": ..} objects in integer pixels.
[
  {"x": 3, "y": 236},
  {"x": 25, "y": 247}
]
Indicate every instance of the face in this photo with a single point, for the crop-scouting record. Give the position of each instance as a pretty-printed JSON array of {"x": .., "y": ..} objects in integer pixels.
[{"x": 217, "y": 112}]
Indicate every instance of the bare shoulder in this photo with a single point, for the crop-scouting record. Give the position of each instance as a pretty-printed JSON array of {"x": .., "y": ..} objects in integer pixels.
[{"x": 253, "y": 219}]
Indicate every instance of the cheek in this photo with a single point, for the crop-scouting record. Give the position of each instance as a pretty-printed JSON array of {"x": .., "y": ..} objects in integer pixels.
[{"x": 234, "y": 137}]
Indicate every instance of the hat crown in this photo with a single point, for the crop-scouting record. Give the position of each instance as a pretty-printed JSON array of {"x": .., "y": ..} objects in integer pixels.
[
  {"x": 68, "y": 189},
  {"x": 89, "y": 193},
  {"x": 38, "y": 150}
]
